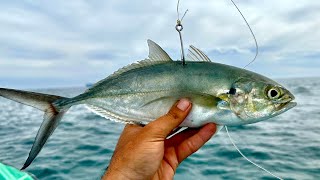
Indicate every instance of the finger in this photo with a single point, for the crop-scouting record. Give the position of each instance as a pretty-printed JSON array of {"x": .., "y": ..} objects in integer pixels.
[
  {"x": 165, "y": 124},
  {"x": 192, "y": 144}
]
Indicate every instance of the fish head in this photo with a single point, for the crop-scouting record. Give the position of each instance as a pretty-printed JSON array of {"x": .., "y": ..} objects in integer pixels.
[{"x": 254, "y": 101}]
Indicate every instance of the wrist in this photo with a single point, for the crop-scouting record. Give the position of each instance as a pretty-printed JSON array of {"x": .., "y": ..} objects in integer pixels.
[{"x": 114, "y": 173}]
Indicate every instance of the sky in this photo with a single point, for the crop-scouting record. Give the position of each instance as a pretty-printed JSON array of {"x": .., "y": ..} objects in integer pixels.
[{"x": 45, "y": 44}]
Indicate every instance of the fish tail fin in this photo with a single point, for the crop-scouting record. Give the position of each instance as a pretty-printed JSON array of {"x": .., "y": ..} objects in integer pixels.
[{"x": 51, "y": 118}]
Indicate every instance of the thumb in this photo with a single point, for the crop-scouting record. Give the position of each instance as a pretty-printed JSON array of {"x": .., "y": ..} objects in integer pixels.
[{"x": 163, "y": 126}]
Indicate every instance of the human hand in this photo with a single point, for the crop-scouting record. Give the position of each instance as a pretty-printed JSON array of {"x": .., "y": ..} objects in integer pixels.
[{"x": 145, "y": 153}]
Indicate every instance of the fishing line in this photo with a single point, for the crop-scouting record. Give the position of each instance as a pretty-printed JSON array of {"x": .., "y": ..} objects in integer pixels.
[
  {"x": 178, "y": 13},
  {"x": 254, "y": 37},
  {"x": 179, "y": 28},
  {"x": 249, "y": 159}
]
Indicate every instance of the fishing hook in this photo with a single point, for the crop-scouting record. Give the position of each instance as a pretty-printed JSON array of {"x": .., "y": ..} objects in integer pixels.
[{"x": 179, "y": 28}]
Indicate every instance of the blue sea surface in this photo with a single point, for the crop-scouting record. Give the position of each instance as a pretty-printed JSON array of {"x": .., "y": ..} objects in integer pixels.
[{"x": 82, "y": 145}]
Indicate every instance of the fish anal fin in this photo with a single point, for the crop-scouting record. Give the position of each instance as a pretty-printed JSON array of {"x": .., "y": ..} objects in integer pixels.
[{"x": 109, "y": 115}]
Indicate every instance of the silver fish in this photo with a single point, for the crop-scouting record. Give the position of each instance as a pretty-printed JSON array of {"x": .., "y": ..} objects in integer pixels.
[{"x": 143, "y": 91}]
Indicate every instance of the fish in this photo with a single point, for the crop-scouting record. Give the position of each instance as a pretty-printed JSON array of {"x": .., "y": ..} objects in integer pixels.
[{"x": 143, "y": 91}]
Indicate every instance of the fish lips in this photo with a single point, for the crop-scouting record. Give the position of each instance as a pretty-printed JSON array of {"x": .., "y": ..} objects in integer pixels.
[{"x": 285, "y": 106}]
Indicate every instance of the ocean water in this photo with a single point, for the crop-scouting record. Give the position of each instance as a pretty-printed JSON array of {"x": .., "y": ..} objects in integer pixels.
[{"x": 81, "y": 147}]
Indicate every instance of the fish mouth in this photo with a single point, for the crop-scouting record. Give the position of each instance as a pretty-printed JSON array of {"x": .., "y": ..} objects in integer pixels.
[
  {"x": 286, "y": 102},
  {"x": 285, "y": 106}
]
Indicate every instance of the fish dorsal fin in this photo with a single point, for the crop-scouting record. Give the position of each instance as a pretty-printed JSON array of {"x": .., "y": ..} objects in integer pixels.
[
  {"x": 196, "y": 54},
  {"x": 156, "y": 56},
  {"x": 156, "y": 53}
]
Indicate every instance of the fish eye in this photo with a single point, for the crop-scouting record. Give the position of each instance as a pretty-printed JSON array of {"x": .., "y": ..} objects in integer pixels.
[{"x": 273, "y": 93}]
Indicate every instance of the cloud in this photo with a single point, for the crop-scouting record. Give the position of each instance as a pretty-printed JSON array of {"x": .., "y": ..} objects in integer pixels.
[{"x": 75, "y": 42}]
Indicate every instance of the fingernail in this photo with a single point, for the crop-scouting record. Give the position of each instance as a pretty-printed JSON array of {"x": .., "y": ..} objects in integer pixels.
[{"x": 183, "y": 104}]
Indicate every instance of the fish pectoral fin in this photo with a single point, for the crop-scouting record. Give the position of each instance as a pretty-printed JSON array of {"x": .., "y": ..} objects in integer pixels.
[
  {"x": 164, "y": 98},
  {"x": 223, "y": 103},
  {"x": 205, "y": 100}
]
